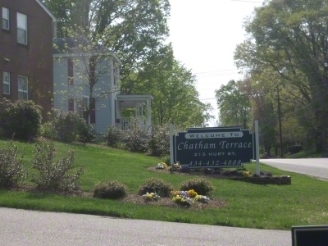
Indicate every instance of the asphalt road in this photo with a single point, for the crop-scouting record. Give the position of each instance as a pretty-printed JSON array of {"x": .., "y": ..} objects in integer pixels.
[
  {"x": 33, "y": 228},
  {"x": 316, "y": 167}
]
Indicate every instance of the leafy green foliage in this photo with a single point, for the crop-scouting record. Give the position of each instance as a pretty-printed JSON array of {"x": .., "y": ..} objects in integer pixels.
[
  {"x": 60, "y": 175},
  {"x": 110, "y": 190},
  {"x": 136, "y": 139},
  {"x": 159, "y": 142},
  {"x": 113, "y": 136},
  {"x": 131, "y": 29},
  {"x": 11, "y": 168},
  {"x": 69, "y": 125},
  {"x": 156, "y": 185},
  {"x": 86, "y": 134},
  {"x": 66, "y": 126},
  {"x": 176, "y": 99},
  {"x": 47, "y": 130},
  {"x": 289, "y": 39},
  {"x": 234, "y": 105},
  {"x": 200, "y": 185},
  {"x": 20, "y": 120}
]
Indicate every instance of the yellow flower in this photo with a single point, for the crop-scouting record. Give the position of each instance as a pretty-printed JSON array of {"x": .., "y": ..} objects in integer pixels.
[{"x": 192, "y": 193}]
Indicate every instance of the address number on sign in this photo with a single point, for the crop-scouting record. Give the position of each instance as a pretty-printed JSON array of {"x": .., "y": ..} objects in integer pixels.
[{"x": 216, "y": 163}]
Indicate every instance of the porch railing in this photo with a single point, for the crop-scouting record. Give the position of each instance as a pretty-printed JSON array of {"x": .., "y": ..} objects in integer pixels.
[{"x": 125, "y": 123}]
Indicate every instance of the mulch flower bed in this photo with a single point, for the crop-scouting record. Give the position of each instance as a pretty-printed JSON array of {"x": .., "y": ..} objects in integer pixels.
[{"x": 167, "y": 202}]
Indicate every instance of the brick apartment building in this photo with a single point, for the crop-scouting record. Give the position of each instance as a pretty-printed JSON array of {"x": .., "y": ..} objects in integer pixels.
[{"x": 26, "y": 61}]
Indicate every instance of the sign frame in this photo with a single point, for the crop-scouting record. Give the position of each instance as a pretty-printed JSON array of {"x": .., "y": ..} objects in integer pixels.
[
  {"x": 219, "y": 136},
  {"x": 316, "y": 235}
]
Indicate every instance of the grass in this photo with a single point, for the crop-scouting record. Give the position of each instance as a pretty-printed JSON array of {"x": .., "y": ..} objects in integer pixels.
[
  {"x": 307, "y": 154},
  {"x": 247, "y": 205}
]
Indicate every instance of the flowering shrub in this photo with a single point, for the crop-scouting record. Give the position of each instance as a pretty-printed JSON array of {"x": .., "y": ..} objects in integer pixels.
[
  {"x": 159, "y": 141},
  {"x": 182, "y": 200},
  {"x": 157, "y": 186},
  {"x": 57, "y": 175},
  {"x": 247, "y": 173},
  {"x": 201, "y": 198},
  {"x": 161, "y": 165},
  {"x": 151, "y": 196},
  {"x": 175, "y": 167},
  {"x": 186, "y": 198},
  {"x": 192, "y": 193},
  {"x": 201, "y": 186},
  {"x": 11, "y": 167}
]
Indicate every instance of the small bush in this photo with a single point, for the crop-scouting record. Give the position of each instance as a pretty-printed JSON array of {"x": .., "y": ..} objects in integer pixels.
[
  {"x": 86, "y": 134},
  {"x": 113, "y": 136},
  {"x": 136, "y": 139},
  {"x": 201, "y": 186},
  {"x": 60, "y": 175},
  {"x": 110, "y": 190},
  {"x": 159, "y": 143},
  {"x": 47, "y": 130},
  {"x": 67, "y": 126},
  {"x": 21, "y": 120},
  {"x": 157, "y": 186},
  {"x": 11, "y": 169}
]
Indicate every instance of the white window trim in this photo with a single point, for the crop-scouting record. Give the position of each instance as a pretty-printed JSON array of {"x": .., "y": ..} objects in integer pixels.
[
  {"x": 78, "y": 102},
  {"x": 22, "y": 27},
  {"x": 22, "y": 90},
  {"x": 6, "y": 82},
  {"x": 7, "y": 18}
]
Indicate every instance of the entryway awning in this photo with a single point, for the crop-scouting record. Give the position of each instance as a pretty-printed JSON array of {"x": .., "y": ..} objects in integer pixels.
[{"x": 130, "y": 101}]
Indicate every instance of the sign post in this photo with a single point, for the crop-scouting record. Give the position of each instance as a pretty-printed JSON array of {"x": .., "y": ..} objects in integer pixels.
[
  {"x": 257, "y": 147},
  {"x": 214, "y": 147},
  {"x": 171, "y": 145}
]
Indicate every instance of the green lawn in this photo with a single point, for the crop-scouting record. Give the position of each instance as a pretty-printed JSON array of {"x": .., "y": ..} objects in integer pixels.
[
  {"x": 307, "y": 154},
  {"x": 248, "y": 205}
]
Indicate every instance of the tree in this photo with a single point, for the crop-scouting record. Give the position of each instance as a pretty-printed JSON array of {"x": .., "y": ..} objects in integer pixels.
[
  {"x": 290, "y": 37},
  {"x": 234, "y": 105},
  {"x": 129, "y": 28},
  {"x": 136, "y": 31},
  {"x": 173, "y": 88}
]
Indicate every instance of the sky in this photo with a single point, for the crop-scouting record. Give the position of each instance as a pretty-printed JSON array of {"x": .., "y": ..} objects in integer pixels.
[{"x": 204, "y": 35}]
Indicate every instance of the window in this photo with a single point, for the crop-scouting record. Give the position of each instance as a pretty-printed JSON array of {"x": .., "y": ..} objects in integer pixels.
[
  {"x": 116, "y": 75},
  {"x": 80, "y": 106},
  {"x": 5, "y": 18},
  {"x": 6, "y": 83},
  {"x": 70, "y": 71},
  {"x": 21, "y": 28},
  {"x": 22, "y": 88}
]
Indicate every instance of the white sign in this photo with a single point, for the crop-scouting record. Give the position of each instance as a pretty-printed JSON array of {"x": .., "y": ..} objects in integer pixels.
[{"x": 214, "y": 135}]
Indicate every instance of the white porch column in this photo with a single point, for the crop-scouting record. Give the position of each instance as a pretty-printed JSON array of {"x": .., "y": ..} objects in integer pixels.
[
  {"x": 118, "y": 109},
  {"x": 148, "y": 114}
]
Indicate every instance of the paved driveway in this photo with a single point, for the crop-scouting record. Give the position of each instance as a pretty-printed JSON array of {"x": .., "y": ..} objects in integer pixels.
[
  {"x": 316, "y": 167},
  {"x": 32, "y": 228}
]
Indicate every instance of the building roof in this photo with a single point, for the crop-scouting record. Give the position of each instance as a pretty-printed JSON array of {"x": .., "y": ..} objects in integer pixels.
[
  {"x": 72, "y": 47},
  {"x": 47, "y": 10}
]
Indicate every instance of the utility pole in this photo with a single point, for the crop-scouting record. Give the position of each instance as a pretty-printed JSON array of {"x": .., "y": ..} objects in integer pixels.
[{"x": 279, "y": 120}]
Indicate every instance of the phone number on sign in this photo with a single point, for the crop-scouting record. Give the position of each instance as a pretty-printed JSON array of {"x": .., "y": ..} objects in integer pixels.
[{"x": 216, "y": 163}]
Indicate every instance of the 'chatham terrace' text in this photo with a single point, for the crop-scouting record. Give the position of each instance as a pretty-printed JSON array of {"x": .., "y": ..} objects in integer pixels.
[{"x": 222, "y": 145}]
